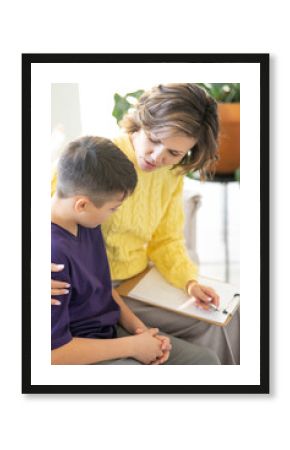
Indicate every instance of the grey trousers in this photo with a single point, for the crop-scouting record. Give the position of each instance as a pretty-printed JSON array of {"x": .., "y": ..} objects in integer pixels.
[
  {"x": 182, "y": 353},
  {"x": 223, "y": 341}
]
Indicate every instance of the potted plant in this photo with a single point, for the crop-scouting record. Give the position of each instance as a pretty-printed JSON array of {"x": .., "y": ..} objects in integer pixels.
[{"x": 228, "y": 97}]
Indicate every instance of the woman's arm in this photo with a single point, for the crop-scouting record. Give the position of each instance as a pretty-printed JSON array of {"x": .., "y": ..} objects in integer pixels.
[
  {"x": 168, "y": 252},
  {"x": 167, "y": 247},
  {"x": 134, "y": 325}
]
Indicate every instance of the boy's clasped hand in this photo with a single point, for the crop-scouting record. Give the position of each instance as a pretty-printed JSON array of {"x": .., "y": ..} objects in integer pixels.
[{"x": 151, "y": 347}]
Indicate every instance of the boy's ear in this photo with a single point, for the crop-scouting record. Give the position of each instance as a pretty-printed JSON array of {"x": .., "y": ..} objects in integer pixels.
[{"x": 81, "y": 204}]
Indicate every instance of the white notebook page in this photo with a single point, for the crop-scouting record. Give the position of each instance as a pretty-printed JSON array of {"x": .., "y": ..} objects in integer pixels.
[{"x": 154, "y": 289}]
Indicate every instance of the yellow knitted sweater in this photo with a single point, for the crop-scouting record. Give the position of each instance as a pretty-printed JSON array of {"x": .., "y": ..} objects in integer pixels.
[{"x": 149, "y": 226}]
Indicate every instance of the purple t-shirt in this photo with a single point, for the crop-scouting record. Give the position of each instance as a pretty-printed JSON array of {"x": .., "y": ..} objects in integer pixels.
[{"x": 88, "y": 310}]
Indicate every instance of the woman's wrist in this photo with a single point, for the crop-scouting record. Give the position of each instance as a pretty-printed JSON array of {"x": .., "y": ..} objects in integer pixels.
[{"x": 189, "y": 285}]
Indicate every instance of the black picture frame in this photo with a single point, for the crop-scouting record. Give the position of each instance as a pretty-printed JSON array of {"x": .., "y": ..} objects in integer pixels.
[{"x": 263, "y": 61}]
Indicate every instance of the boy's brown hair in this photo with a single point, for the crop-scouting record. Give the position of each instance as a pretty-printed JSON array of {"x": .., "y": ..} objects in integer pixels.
[{"x": 95, "y": 167}]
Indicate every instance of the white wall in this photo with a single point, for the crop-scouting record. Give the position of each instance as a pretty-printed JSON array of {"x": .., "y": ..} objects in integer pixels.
[{"x": 65, "y": 115}]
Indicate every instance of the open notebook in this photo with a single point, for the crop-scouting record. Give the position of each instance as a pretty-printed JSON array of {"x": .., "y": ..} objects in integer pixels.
[{"x": 152, "y": 288}]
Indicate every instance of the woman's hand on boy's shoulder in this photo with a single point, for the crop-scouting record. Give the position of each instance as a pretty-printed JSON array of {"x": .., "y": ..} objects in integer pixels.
[{"x": 58, "y": 287}]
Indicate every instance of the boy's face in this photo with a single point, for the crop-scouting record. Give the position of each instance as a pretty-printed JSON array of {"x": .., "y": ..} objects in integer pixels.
[{"x": 90, "y": 216}]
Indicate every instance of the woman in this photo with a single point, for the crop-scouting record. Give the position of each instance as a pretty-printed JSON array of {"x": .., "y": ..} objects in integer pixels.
[{"x": 172, "y": 130}]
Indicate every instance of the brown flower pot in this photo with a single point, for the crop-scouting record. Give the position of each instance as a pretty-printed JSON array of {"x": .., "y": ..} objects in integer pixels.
[{"x": 229, "y": 141}]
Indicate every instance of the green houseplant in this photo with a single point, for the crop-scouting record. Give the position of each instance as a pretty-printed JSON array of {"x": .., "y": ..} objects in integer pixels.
[
  {"x": 122, "y": 104},
  {"x": 223, "y": 92}
]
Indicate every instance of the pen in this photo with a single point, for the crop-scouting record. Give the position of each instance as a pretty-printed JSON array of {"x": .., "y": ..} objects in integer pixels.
[{"x": 212, "y": 306}]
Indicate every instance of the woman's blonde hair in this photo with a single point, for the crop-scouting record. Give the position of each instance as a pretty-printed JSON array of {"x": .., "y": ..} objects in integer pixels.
[{"x": 181, "y": 108}]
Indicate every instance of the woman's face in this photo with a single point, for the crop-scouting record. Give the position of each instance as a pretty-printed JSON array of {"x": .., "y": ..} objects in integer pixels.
[{"x": 153, "y": 152}]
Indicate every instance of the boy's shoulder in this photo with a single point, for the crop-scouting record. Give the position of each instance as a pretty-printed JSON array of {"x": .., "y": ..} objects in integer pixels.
[
  {"x": 64, "y": 243},
  {"x": 60, "y": 243}
]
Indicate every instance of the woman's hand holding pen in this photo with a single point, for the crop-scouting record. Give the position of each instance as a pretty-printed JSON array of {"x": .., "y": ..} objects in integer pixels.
[{"x": 206, "y": 297}]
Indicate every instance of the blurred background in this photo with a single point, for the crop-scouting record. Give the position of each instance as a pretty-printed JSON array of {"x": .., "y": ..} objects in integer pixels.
[{"x": 212, "y": 225}]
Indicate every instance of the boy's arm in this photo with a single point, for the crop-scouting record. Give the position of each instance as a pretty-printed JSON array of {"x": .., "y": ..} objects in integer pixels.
[
  {"x": 128, "y": 319},
  {"x": 134, "y": 325},
  {"x": 145, "y": 348},
  {"x": 90, "y": 351}
]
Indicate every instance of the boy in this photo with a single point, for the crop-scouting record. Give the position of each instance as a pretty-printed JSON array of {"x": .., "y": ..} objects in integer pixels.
[
  {"x": 92, "y": 324},
  {"x": 94, "y": 179}
]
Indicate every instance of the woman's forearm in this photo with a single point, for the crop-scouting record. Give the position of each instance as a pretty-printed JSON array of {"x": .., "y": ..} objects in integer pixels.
[{"x": 90, "y": 351}]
